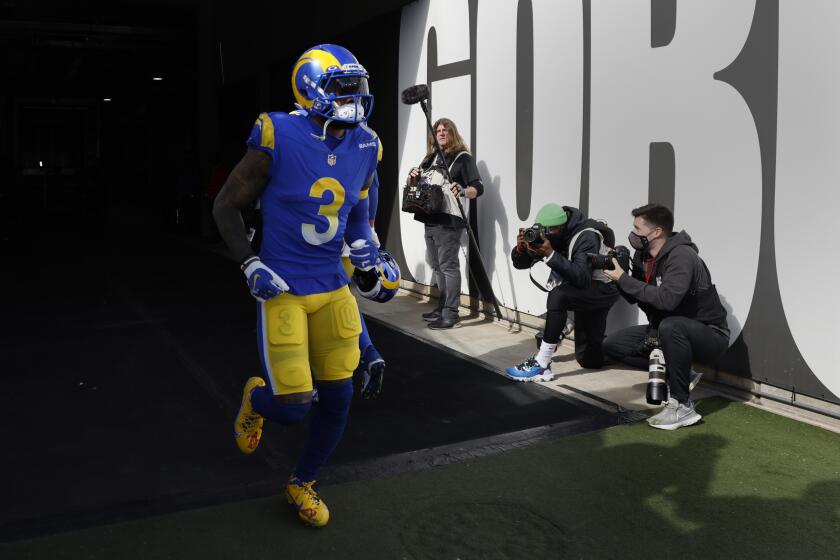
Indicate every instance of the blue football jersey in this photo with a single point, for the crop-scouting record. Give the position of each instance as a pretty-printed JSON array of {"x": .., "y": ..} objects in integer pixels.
[{"x": 313, "y": 186}]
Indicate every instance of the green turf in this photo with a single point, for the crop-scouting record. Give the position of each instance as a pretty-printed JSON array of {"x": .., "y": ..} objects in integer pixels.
[{"x": 743, "y": 484}]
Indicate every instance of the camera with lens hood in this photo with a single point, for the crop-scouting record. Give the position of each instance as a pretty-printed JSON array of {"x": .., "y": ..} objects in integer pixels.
[
  {"x": 604, "y": 262},
  {"x": 534, "y": 234}
]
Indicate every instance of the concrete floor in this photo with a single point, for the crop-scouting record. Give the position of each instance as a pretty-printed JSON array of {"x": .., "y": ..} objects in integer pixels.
[{"x": 498, "y": 345}]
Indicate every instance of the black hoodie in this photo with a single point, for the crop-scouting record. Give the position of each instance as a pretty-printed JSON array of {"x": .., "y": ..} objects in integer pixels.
[
  {"x": 676, "y": 283},
  {"x": 576, "y": 269}
]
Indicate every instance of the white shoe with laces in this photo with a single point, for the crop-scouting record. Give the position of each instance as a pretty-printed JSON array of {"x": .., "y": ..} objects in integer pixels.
[{"x": 675, "y": 415}]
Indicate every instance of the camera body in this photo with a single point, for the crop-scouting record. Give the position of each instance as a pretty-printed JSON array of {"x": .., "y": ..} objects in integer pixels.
[
  {"x": 604, "y": 262},
  {"x": 534, "y": 234}
]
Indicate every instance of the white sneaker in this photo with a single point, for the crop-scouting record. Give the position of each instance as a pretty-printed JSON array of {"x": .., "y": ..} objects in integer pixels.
[{"x": 675, "y": 415}]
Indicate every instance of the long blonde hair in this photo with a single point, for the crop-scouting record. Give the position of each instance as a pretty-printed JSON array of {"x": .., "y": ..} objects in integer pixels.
[{"x": 454, "y": 142}]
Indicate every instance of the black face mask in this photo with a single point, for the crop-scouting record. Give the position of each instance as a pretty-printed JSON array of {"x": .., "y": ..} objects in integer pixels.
[
  {"x": 638, "y": 242},
  {"x": 555, "y": 239}
]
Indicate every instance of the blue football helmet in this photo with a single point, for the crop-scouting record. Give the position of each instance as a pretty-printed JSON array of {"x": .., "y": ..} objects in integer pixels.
[
  {"x": 328, "y": 81},
  {"x": 381, "y": 282}
]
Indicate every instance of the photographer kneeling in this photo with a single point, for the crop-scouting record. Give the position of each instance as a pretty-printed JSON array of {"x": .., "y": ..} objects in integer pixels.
[
  {"x": 673, "y": 286},
  {"x": 564, "y": 239}
]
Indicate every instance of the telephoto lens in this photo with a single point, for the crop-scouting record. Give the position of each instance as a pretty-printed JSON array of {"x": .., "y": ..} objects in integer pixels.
[{"x": 657, "y": 385}]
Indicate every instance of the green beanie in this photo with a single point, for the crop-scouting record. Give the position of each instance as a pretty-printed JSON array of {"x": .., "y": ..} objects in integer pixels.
[{"x": 551, "y": 215}]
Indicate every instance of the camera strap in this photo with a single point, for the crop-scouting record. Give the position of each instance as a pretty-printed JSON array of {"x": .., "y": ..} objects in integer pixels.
[
  {"x": 451, "y": 164},
  {"x": 602, "y": 250},
  {"x": 537, "y": 284},
  {"x": 575, "y": 238},
  {"x": 449, "y": 198}
]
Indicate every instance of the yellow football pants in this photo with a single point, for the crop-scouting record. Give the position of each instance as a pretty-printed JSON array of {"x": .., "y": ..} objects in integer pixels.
[{"x": 302, "y": 336}]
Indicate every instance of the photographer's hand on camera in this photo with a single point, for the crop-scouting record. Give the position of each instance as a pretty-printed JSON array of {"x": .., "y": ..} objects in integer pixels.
[
  {"x": 521, "y": 245},
  {"x": 542, "y": 250},
  {"x": 616, "y": 272}
]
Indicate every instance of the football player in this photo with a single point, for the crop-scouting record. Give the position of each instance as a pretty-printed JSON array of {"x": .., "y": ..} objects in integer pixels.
[{"x": 311, "y": 170}]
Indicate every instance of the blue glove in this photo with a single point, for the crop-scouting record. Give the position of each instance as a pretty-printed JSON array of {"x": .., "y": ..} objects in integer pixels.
[
  {"x": 372, "y": 379},
  {"x": 363, "y": 254},
  {"x": 262, "y": 281}
]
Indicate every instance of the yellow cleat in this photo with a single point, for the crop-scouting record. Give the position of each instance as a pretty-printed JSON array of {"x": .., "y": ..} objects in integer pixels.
[
  {"x": 247, "y": 428},
  {"x": 310, "y": 508}
]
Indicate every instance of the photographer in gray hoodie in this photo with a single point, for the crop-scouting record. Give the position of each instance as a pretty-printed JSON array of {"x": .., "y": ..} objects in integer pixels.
[{"x": 673, "y": 286}]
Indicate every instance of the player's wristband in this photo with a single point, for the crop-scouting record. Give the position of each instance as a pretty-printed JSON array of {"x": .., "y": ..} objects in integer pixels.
[{"x": 248, "y": 262}]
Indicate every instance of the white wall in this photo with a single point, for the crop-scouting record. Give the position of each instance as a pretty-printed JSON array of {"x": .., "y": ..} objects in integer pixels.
[{"x": 640, "y": 95}]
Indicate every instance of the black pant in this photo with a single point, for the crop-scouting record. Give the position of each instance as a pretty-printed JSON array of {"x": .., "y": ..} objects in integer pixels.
[
  {"x": 591, "y": 306},
  {"x": 683, "y": 340}
]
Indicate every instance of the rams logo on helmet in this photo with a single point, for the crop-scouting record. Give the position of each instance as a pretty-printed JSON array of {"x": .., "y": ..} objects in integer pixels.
[
  {"x": 381, "y": 282},
  {"x": 328, "y": 81}
]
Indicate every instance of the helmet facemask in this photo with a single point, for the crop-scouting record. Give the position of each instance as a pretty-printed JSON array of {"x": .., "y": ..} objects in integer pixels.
[{"x": 343, "y": 98}]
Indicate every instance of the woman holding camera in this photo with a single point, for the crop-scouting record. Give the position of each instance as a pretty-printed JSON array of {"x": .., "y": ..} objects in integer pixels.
[
  {"x": 444, "y": 229},
  {"x": 564, "y": 239}
]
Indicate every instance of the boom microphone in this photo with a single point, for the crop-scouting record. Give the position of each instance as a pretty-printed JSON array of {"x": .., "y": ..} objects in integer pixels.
[{"x": 415, "y": 94}]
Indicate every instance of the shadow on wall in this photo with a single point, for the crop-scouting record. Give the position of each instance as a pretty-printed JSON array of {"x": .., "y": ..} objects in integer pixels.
[
  {"x": 737, "y": 358},
  {"x": 412, "y": 37},
  {"x": 622, "y": 315},
  {"x": 432, "y": 276},
  {"x": 735, "y": 326},
  {"x": 491, "y": 214}
]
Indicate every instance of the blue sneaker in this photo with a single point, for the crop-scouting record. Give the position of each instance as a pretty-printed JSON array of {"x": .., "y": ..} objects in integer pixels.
[{"x": 530, "y": 370}]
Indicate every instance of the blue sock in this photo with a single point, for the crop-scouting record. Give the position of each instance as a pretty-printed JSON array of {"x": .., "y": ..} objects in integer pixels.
[
  {"x": 263, "y": 401},
  {"x": 325, "y": 428},
  {"x": 364, "y": 338}
]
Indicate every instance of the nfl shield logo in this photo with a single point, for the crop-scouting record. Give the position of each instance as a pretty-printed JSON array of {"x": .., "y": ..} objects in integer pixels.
[{"x": 331, "y": 159}]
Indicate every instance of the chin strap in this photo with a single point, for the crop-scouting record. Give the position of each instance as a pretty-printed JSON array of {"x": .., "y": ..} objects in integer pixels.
[
  {"x": 324, "y": 95},
  {"x": 323, "y": 135}
]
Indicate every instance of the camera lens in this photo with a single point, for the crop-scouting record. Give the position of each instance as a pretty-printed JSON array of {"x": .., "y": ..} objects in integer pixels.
[
  {"x": 532, "y": 234},
  {"x": 657, "y": 385},
  {"x": 601, "y": 262}
]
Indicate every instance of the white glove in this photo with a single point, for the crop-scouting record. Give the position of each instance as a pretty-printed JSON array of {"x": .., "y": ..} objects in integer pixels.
[
  {"x": 363, "y": 254},
  {"x": 263, "y": 282},
  {"x": 374, "y": 237}
]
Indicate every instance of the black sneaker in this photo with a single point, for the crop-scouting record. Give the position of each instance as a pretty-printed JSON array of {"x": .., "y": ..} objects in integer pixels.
[
  {"x": 432, "y": 315},
  {"x": 441, "y": 323}
]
